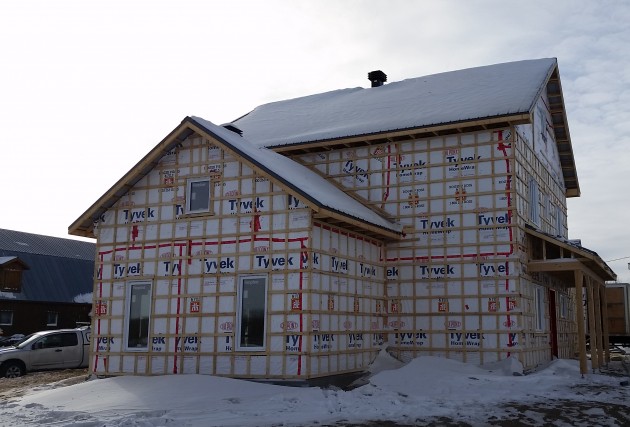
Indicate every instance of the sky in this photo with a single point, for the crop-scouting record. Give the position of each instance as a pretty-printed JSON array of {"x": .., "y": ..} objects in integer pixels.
[
  {"x": 87, "y": 88},
  {"x": 427, "y": 388}
]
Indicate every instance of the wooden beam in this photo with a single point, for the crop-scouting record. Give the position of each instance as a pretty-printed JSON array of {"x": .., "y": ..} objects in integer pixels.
[
  {"x": 439, "y": 129},
  {"x": 561, "y": 264},
  {"x": 582, "y": 255},
  {"x": 579, "y": 313},
  {"x": 565, "y": 264},
  {"x": 592, "y": 323},
  {"x": 598, "y": 323},
  {"x": 362, "y": 225},
  {"x": 606, "y": 342}
]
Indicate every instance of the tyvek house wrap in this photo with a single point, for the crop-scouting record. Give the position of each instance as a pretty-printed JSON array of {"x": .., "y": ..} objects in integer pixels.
[{"x": 193, "y": 263}]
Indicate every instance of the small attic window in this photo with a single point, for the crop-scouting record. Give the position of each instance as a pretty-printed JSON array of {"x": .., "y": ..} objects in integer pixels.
[
  {"x": 198, "y": 195},
  {"x": 11, "y": 280},
  {"x": 11, "y": 276}
]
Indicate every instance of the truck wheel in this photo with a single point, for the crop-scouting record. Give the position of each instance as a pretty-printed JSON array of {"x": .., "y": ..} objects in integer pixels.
[{"x": 11, "y": 370}]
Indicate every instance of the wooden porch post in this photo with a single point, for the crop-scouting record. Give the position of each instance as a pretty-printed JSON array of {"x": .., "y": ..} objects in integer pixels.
[
  {"x": 592, "y": 323},
  {"x": 579, "y": 314},
  {"x": 598, "y": 323},
  {"x": 606, "y": 344}
]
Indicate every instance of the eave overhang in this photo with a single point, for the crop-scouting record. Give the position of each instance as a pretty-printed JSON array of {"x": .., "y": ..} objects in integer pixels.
[{"x": 556, "y": 257}]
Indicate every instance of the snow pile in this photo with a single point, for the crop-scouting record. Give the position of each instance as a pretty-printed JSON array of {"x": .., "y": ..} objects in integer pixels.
[
  {"x": 83, "y": 298},
  {"x": 425, "y": 387}
]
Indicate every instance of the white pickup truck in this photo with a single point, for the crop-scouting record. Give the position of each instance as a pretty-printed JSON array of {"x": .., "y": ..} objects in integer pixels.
[{"x": 57, "y": 349}]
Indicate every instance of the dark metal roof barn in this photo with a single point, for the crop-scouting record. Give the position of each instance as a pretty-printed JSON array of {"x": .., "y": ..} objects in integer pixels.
[{"x": 60, "y": 269}]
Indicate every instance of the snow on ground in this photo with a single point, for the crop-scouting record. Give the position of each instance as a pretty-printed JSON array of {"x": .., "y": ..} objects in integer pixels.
[{"x": 424, "y": 388}]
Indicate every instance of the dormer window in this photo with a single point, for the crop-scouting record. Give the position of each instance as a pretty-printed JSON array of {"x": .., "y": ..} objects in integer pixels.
[{"x": 11, "y": 269}]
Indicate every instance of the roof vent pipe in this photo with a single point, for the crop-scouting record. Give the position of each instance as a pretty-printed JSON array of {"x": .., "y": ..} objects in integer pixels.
[
  {"x": 230, "y": 126},
  {"x": 377, "y": 78}
]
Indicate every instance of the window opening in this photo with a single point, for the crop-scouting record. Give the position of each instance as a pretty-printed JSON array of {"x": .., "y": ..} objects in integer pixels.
[
  {"x": 252, "y": 313},
  {"x": 139, "y": 313}
]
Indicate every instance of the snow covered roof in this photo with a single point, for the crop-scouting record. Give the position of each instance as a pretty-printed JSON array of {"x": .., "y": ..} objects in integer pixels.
[
  {"x": 312, "y": 186},
  {"x": 451, "y": 97},
  {"x": 6, "y": 259},
  {"x": 306, "y": 184}
]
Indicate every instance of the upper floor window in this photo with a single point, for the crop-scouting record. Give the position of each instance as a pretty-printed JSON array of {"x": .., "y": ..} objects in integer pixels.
[
  {"x": 11, "y": 269},
  {"x": 198, "y": 195},
  {"x": 560, "y": 222},
  {"x": 6, "y": 317},
  {"x": 534, "y": 202},
  {"x": 51, "y": 318}
]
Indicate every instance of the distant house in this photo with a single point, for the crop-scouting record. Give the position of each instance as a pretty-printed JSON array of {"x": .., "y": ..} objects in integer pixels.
[
  {"x": 427, "y": 216},
  {"x": 45, "y": 282}
]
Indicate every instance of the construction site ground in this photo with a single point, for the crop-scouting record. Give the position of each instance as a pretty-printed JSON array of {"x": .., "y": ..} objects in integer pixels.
[{"x": 561, "y": 412}]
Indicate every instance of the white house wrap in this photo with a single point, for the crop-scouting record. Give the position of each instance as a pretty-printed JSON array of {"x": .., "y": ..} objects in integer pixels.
[{"x": 428, "y": 216}]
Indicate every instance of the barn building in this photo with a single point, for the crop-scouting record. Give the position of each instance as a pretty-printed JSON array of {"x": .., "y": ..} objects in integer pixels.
[
  {"x": 45, "y": 282},
  {"x": 427, "y": 216}
]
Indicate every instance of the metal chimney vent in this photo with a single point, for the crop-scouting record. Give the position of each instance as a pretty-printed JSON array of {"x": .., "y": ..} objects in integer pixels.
[
  {"x": 230, "y": 126},
  {"x": 377, "y": 78}
]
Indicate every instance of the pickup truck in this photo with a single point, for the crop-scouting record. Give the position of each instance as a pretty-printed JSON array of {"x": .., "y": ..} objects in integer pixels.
[{"x": 56, "y": 349}]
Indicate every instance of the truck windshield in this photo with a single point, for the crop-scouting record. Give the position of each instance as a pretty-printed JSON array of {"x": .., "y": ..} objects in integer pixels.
[{"x": 26, "y": 341}]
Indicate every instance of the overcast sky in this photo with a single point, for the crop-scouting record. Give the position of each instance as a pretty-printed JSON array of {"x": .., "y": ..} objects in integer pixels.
[{"x": 87, "y": 88}]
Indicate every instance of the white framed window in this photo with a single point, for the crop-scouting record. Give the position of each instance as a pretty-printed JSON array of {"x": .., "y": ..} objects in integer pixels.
[
  {"x": 252, "y": 313},
  {"x": 534, "y": 203},
  {"x": 138, "y": 319},
  {"x": 564, "y": 306},
  {"x": 546, "y": 206},
  {"x": 6, "y": 317},
  {"x": 539, "y": 308},
  {"x": 560, "y": 222},
  {"x": 198, "y": 195},
  {"x": 51, "y": 318}
]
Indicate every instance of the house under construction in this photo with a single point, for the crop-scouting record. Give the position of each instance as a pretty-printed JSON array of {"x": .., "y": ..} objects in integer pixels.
[{"x": 428, "y": 216}]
